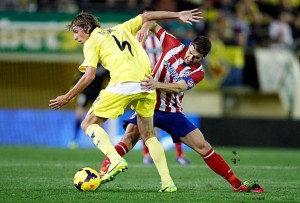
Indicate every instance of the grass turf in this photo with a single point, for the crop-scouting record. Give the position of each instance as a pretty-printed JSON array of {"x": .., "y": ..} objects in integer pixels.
[{"x": 37, "y": 174}]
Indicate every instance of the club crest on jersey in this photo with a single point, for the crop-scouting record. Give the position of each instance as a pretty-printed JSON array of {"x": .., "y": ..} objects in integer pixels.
[{"x": 190, "y": 83}]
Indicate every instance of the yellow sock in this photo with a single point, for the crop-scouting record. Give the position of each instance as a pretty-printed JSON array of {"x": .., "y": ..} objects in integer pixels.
[
  {"x": 102, "y": 141},
  {"x": 158, "y": 156}
]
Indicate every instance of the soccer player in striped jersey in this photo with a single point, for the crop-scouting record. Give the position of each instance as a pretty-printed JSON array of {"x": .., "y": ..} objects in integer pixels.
[
  {"x": 153, "y": 49},
  {"x": 118, "y": 51},
  {"x": 179, "y": 69}
]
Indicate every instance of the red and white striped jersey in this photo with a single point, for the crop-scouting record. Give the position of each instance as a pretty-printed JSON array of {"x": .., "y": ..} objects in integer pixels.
[{"x": 170, "y": 69}]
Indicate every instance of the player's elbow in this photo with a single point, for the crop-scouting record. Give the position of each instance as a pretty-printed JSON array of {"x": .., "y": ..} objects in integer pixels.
[
  {"x": 147, "y": 16},
  {"x": 90, "y": 77}
]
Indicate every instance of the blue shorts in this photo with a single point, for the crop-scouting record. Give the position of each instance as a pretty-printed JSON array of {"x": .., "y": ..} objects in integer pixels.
[{"x": 175, "y": 124}]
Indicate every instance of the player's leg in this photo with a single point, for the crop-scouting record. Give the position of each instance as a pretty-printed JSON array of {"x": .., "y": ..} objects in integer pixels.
[
  {"x": 144, "y": 108},
  {"x": 110, "y": 106},
  {"x": 92, "y": 125},
  {"x": 121, "y": 149},
  {"x": 127, "y": 142},
  {"x": 156, "y": 152},
  {"x": 196, "y": 141},
  {"x": 88, "y": 95},
  {"x": 171, "y": 123},
  {"x": 181, "y": 129},
  {"x": 147, "y": 160}
]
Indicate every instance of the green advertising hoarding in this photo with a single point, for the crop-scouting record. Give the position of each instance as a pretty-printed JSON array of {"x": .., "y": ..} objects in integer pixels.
[{"x": 44, "y": 36}]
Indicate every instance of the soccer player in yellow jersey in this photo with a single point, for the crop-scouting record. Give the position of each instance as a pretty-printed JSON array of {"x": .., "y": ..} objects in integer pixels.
[{"x": 118, "y": 51}]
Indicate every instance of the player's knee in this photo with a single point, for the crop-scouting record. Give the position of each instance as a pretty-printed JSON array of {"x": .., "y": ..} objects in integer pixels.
[
  {"x": 147, "y": 133},
  {"x": 204, "y": 146}
]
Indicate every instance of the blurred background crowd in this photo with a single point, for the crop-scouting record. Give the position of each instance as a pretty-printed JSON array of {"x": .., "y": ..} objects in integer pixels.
[
  {"x": 246, "y": 23},
  {"x": 252, "y": 74}
]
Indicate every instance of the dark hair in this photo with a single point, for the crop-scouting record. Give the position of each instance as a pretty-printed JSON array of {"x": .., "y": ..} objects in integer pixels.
[
  {"x": 86, "y": 21},
  {"x": 202, "y": 45}
]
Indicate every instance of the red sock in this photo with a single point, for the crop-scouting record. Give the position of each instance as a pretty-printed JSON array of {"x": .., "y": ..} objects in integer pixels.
[
  {"x": 145, "y": 149},
  {"x": 178, "y": 148},
  {"x": 105, "y": 163},
  {"x": 219, "y": 166},
  {"x": 121, "y": 148}
]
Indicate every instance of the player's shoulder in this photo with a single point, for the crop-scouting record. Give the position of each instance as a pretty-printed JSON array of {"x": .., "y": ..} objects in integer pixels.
[
  {"x": 94, "y": 36},
  {"x": 132, "y": 22},
  {"x": 170, "y": 41}
]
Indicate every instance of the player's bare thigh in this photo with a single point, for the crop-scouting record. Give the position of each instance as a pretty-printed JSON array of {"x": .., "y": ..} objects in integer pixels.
[
  {"x": 91, "y": 119},
  {"x": 196, "y": 141},
  {"x": 145, "y": 125}
]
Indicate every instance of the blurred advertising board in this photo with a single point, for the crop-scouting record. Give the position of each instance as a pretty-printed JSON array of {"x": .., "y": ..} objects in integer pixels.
[
  {"x": 42, "y": 36},
  {"x": 279, "y": 72}
]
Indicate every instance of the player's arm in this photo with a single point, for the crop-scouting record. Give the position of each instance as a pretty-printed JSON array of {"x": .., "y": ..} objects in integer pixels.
[
  {"x": 146, "y": 29},
  {"x": 84, "y": 81},
  {"x": 149, "y": 84},
  {"x": 188, "y": 16}
]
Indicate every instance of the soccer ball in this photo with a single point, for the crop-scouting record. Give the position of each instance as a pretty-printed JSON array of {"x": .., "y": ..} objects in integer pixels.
[{"x": 87, "y": 179}]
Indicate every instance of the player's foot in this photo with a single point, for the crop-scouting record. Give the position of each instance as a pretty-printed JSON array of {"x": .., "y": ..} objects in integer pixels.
[
  {"x": 114, "y": 169},
  {"x": 183, "y": 161},
  {"x": 104, "y": 168},
  {"x": 247, "y": 186},
  {"x": 147, "y": 160},
  {"x": 170, "y": 187}
]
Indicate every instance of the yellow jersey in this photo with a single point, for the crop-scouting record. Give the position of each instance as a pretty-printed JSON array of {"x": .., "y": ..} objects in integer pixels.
[{"x": 118, "y": 51}]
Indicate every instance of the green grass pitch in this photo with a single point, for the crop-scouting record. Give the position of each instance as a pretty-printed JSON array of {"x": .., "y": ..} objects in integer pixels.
[{"x": 38, "y": 174}]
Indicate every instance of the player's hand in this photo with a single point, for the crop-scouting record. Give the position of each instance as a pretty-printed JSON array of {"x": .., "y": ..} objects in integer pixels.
[
  {"x": 190, "y": 16},
  {"x": 58, "y": 102},
  {"x": 145, "y": 31},
  {"x": 149, "y": 83},
  {"x": 142, "y": 35}
]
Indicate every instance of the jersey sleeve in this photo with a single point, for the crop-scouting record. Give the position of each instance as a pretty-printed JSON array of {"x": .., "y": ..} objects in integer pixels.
[
  {"x": 197, "y": 75},
  {"x": 167, "y": 40},
  {"x": 133, "y": 25},
  {"x": 91, "y": 56},
  {"x": 160, "y": 32}
]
